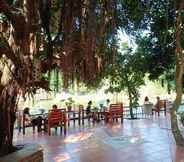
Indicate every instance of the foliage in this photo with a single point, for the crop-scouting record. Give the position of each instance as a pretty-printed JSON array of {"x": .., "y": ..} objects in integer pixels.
[
  {"x": 55, "y": 80},
  {"x": 75, "y": 37},
  {"x": 160, "y": 65},
  {"x": 69, "y": 102},
  {"x": 134, "y": 15},
  {"x": 78, "y": 33},
  {"x": 152, "y": 25},
  {"x": 127, "y": 74},
  {"x": 79, "y": 38},
  {"x": 157, "y": 40}
]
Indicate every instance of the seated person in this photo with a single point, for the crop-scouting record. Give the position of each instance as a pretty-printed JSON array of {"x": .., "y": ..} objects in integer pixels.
[
  {"x": 107, "y": 105},
  {"x": 146, "y": 100},
  {"x": 27, "y": 117},
  {"x": 34, "y": 122},
  {"x": 160, "y": 106},
  {"x": 157, "y": 103},
  {"x": 54, "y": 107},
  {"x": 88, "y": 109}
]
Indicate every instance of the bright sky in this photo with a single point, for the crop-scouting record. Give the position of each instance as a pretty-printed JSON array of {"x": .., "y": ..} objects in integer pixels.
[{"x": 124, "y": 38}]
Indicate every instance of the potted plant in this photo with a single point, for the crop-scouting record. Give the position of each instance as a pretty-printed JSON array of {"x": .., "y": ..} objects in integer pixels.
[{"x": 69, "y": 103}]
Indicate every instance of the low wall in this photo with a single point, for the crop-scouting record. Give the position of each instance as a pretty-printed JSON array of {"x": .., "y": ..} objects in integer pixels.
[{"x": 29, "y": 153}]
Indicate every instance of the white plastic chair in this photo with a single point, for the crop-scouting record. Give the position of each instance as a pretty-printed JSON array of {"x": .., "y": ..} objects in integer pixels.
[{"x": 148, "y": 109}]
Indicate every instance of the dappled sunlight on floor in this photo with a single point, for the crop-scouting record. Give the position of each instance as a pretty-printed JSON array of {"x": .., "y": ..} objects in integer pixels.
[
  {"x": 134, "y": 139},
  {"x": 116, "y": 128},
  {"x": 143, "y": 140},
  {"x": 77, "y": 137},
  {"x": 62, "y": 157}
]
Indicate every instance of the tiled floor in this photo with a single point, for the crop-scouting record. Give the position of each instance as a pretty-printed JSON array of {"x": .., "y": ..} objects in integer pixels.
[{"x": 142, "y": 140}]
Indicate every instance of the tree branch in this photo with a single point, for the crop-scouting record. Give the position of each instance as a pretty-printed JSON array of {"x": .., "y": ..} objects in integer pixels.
[
  {"x": 15, "y": 16},
  {"x": 11, "y": 12},
  {"x": 7, "y": 51},
  {"x": 4, "y": 7}
]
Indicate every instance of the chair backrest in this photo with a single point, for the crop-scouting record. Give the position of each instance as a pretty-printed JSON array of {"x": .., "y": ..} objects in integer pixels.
[
  {"x": 161, "y": 104},
  {"x": 116, "y": 108},
  {"x": 148, "y": 108},
  {"x": 55, "y": 116}
]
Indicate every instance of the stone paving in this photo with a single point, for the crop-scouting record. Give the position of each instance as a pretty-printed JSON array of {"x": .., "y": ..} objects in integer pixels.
[{"x": 142, "y": 140}]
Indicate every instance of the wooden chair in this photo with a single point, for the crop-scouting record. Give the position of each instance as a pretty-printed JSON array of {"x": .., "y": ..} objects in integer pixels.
[
  {"x": 115, "y": 112},
  {"x": 57, "y": 118},
  {"x": 160, "y": 106}
]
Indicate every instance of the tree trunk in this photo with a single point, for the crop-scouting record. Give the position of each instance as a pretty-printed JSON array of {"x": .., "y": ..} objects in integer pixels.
[
  {"x": 179, "y": 74},
  {"x": 130, "y": 104},
  {"x": 174, "y": 124},
  {"x": 20, "y": 44},
  {"x": 8, "y": 102},
  {"x": 130, "y": 98}
]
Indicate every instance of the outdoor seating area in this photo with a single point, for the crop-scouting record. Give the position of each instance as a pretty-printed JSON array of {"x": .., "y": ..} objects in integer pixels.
[
  {"x": 104, "y": 134},
  {"x": 141, "y": 140},
  {"x": 91, "y": 81},
  {"x": 75, "y": 118}
]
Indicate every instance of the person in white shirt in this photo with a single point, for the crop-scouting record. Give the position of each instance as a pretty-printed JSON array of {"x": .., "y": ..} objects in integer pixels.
[
  {"x": 147, "y": 107},
  {"x": 146, "y": 100},
  {"x": 107, "y": 105}
]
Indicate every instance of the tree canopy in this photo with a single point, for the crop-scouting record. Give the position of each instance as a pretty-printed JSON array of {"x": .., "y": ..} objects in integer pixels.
[
  {"x": 75, "y": 37},
  {"x": 127, "y": 74},
  {"x": 79, "y": 39}
]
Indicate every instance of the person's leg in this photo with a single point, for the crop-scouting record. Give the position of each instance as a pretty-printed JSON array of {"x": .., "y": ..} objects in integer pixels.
[
  {"x": 33, "y": 122},
  {"x": 45, "y": 124},
  {"x": 39, "y": 123}
]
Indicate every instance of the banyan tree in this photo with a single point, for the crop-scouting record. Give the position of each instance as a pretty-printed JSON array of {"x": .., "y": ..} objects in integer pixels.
[
  {"x": 76, "y": 37},
  {"x": 37, "y": 36}
]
